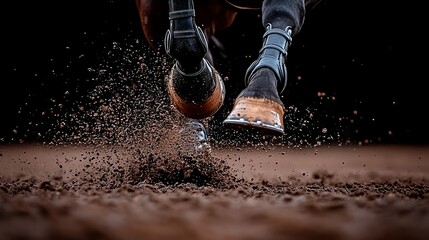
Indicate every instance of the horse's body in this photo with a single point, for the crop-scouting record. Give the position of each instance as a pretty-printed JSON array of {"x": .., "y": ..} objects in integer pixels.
[{"x": 195, "y": 87}]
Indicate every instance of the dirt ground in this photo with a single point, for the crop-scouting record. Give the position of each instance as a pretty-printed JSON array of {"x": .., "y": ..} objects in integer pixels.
[
  {"x": 108, "y": 168},
  {"x": 277, "y": 192}
]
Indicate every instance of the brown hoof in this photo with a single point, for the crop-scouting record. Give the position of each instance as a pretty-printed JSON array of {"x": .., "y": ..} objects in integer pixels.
[
  {"x": 203, "y": 109},
  {"x": 260, "y": 114}
]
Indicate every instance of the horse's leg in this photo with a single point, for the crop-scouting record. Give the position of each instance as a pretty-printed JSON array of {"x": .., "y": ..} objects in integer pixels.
[
  {"x": 259, "y": 105},
  {"x": 195, "y": 87},
  {"x": 154, "y": 18}
]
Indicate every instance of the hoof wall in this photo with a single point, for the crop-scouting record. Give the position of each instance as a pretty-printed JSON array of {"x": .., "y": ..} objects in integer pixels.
[
  {"x": 263, "y": 115},
  {"x": 199, "y": 109}
]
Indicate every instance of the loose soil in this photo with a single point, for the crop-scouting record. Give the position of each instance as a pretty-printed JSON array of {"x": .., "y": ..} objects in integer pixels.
[{"x": 277, "y": 192}]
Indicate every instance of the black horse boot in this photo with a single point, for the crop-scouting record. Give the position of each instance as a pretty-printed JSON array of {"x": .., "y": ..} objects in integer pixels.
[
  {"x": 194, "y": 86},
  {"x": 259, "y": 106}
]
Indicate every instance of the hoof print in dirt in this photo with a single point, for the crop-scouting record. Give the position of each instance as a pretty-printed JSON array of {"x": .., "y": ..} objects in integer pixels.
[{"x": 201, "y": 170}]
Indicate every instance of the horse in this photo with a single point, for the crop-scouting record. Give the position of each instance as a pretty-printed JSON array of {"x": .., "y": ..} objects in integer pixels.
[{"x": 195, "y": 87}]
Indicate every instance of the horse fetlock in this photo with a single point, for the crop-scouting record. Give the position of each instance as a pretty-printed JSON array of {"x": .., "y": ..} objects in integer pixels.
[
  {"x": 188, "y": 51},
  {"x": 273, "y": 55}
]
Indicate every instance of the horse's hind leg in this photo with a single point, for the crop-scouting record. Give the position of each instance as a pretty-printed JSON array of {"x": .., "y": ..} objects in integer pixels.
[
  {"x": 259, "y": 105},
  {"x": 195, "y": 87}
]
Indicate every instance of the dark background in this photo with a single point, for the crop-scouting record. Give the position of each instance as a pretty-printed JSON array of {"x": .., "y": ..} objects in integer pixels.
[{"x": 369, "y": 55}]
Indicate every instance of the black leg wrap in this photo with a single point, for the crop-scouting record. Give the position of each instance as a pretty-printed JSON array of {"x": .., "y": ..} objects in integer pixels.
[
  {"x": 273, "y": 55},
  {"x": 185, "y": 41}
]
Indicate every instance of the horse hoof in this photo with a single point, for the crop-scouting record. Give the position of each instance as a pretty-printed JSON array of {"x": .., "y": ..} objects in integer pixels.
[
  {"x": 263, "y": 115},
  {"x": 199, "y": 109},
  {"x": 194, "y": 139}
]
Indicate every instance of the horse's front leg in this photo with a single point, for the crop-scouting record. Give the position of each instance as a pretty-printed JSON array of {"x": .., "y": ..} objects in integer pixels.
[
  {"x": 259, "y": 105},
  {"x": 195, "y": 87}
]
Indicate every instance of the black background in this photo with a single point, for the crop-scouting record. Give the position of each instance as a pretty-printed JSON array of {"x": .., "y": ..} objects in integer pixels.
[{"x": 368, "y": 54}]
